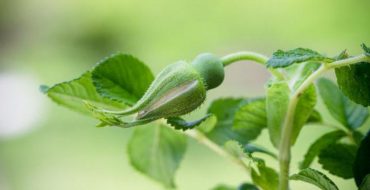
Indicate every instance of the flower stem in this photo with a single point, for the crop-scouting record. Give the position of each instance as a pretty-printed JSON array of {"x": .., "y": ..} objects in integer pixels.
[
  {"x": 250, "y": 56},
  {"x": 244, "y": 55},
  {"x": 201, "y": 138}
]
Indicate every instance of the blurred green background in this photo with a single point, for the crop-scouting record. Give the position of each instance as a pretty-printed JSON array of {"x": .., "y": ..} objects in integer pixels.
[{"x": 44, "y": 146}]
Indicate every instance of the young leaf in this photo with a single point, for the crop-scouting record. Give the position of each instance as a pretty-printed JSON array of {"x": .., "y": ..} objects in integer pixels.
[
  {"x": 276, "y": 106},
  {"x": 72, "y": 94},
  {"x": 250, "y": 119},
  {"x": 122, "y": 77},
  {"x": 156, "y": 151},
  {"x": 366, "y": 49},
  {"x": 341, "y": 55},
  {"x": 315, "y": 178},
  {"x": 180, "y": 124},
  {"x": 354, "y": 82},
  {"x": 318, "y": 145},
  {"x": 267, "y": 178},
  {"x": 224, "y": 110},
  {"x": 338, "y": 159},
  {"x": 285, "y": 58},
  {"x": 252, "y": 148},
  {"x": 350, "y": 114},
  {"x": 304, "y": 109},
  {"x": 361, "y": 166},
  {"x": 298, "y": 73}
]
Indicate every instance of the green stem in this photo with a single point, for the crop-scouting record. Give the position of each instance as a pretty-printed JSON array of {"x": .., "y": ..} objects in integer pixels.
[
  {"x": 201, "y": 138},
  {"x": 352, "y": 60},
  {"x": 287, "y": 128},
  {"x": 244, "y": 55},
  {"x": 250, "y": 56}
]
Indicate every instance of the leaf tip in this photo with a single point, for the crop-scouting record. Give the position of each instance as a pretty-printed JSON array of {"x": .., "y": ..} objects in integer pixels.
[{"x": 44, "y": 89}]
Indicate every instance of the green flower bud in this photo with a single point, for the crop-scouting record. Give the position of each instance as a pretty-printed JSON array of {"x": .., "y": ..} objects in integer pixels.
[{"x": 179, "y": 89}]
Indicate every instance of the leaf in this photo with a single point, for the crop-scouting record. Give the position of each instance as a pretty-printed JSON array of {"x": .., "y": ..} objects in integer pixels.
[
  {"x": 224, "y": 187},
  {"x": 354, "y": 82},
  {"x": 315, "y": 178},
  {"x": 318, "y": 145},
  {"x": 250, "y": 119},
  {"x": 285, "y": 58},
  {"x": 365, "y": 185},
  {"x": 105, "y": 118},
  {"x": 366, "y": 49},
  {"x": 350, "y": 114},
  {"x": 267, "y": 178},
  {"x": 315, "y": 117},
  {"x": 156, "y": 151},
  {"x": 180, "y": 124},
  {"x": 361, "y": 166},
  {"x": 224, "y": 110},
  {"x": 276, "y": 106},
  {"x": 234, "y": 148},
  {"x": 244, "y": 186},
  {"x": 298, "y": 73},
  {"x": 247, "y": 186},
  {"x": 338, "y": 159},
  {"x": 342, "y": 55},
  {"x": 122, "y": 77},
  {"x": 72, "y": 94},
  {"x": 252, "y": 148},
  {"x": 44, "y": 89},
  {"x": 304, "y": 109}
]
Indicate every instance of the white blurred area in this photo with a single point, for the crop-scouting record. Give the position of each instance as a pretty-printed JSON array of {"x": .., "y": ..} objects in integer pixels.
[{"x": 21, "y": 104}]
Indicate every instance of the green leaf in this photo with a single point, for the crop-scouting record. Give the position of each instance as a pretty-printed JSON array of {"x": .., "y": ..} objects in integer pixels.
[
  {"x": 224, "y": 110},
  {"x": 224, "y": 187},
  {"x": 234, "y": 148},
  {"x": 44, "y": 89},
  {"x": 350, "y": 114},
  {"x": 276, "y": 106},
  {"x": 250, "y": 119},
  {"x": 354, "y": 82},
  {"x": 361, "y": 166},
  {"x": 304, "y": 109},
  {"x": 244, "y": 186},
  {"x": 315, "y": 117},
  {"x": 72, "y": 94},
  {"x": 267, "y": 178},
  {"x": 366, "y": 49},
  {"x": 247, "y": 186},
  {"x": 122, "y": 77},
  {"x": 365, "y": 185},
  {"x": 252, "y": 148},
  {"x": 318, "y": 145},
  {"x": 315, "y": 178},
  {"x": 156, "y": 151},
  {"x": 338, "y": 159},
  {"x": 285, "y": 58},
  {"x": 298, "y": 73},
  {"x": 180, "y": 124}
]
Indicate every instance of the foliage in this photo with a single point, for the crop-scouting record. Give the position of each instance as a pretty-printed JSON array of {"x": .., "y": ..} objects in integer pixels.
[{"x": 121, "y": 91}]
